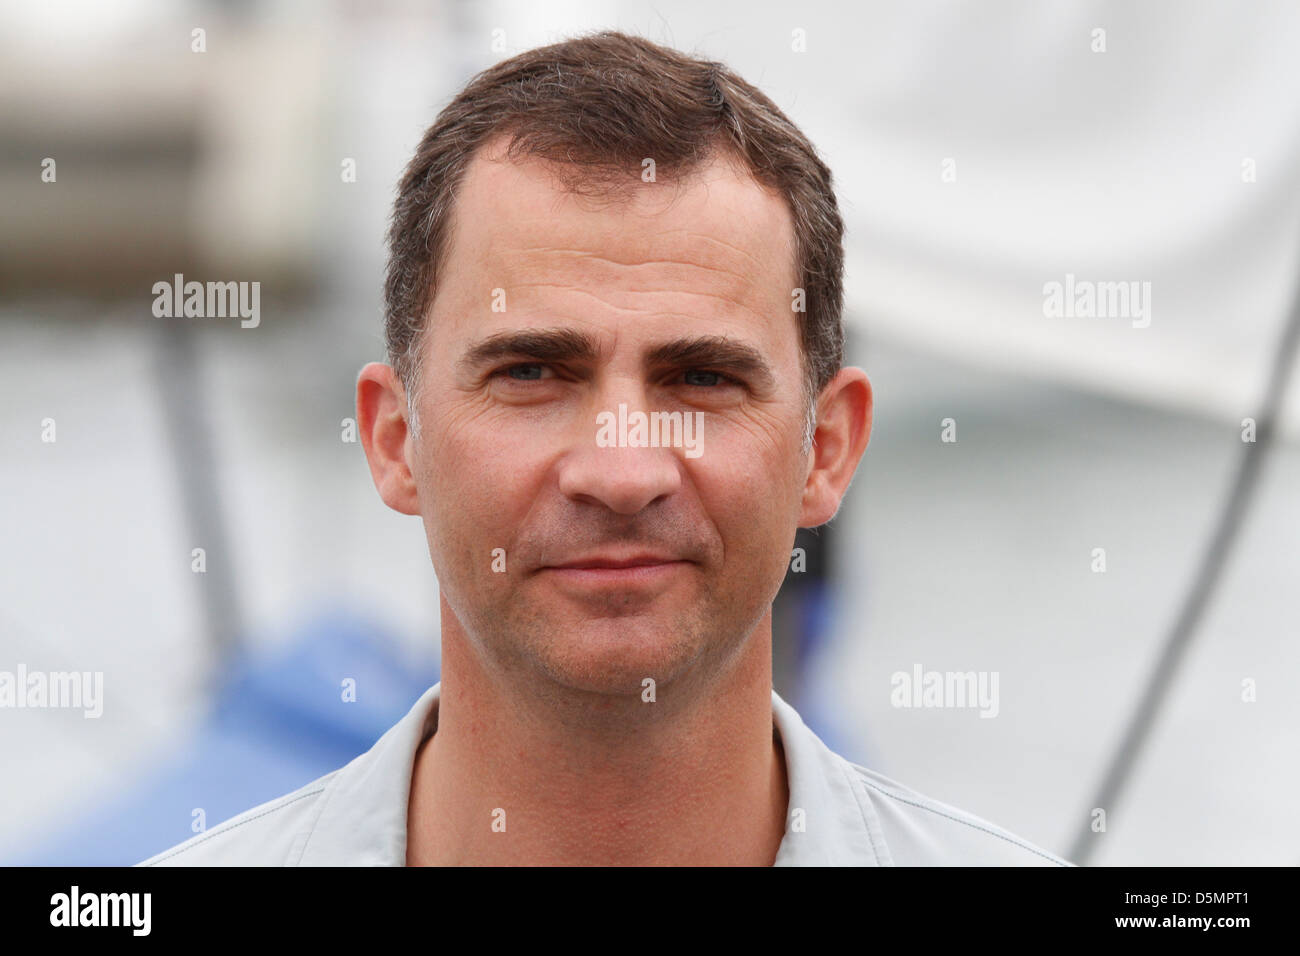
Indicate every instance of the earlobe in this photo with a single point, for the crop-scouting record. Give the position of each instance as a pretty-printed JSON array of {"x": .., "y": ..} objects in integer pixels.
[
  {"x": 381, "y": 421},
  {"x": 843, "y": 430}
]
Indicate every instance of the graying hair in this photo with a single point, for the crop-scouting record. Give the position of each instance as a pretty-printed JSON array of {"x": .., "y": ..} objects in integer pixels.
[{"x": 598, "y": 105}]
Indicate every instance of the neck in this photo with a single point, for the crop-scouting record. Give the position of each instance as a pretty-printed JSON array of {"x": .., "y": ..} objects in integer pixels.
[{"x": 513, "y": 776}]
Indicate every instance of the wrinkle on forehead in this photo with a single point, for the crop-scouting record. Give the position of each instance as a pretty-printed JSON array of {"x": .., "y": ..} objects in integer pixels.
[
  {"x": 724, "y": 239},
  {"x": 588, "y": 254},
  {"x": 629, "y": 273},
  {"x": 738, "y": 303},
  {"x": 735, "y": 209}
]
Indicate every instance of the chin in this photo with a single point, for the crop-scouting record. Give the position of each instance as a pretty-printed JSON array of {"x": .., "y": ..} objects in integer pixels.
[{"x": 614, "y": 656}]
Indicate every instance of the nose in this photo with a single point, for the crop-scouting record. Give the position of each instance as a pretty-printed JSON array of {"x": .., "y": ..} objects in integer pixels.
[{"x": 622, "y": 476}]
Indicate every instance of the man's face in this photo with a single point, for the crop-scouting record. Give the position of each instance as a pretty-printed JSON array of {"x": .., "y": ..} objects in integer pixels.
[{"x": 620, "y": 562}]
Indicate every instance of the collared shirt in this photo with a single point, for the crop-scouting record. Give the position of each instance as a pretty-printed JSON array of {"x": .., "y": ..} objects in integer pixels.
[{"x": 851, "y": 816}]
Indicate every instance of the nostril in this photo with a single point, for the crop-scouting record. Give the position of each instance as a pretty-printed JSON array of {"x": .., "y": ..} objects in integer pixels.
[{"x": 625, "y": 480}]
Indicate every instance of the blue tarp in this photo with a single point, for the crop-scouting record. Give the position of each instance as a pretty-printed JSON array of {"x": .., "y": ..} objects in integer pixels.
[{"x": 278, "y": 722}]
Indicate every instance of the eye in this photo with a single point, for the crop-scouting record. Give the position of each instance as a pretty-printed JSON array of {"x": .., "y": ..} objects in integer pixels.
[
  {"x": 527, "y": 372},
  {"x": 703, "y": 378}
]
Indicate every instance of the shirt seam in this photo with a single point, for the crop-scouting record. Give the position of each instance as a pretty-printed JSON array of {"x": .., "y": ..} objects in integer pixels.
[
  {"x": 968, "y": 823},
  {"x": 867, "y": 813},
  {"x": 370, "y": 756},
  {"x": 233, "y": 826},
  {"x": 325, "y": 802}
]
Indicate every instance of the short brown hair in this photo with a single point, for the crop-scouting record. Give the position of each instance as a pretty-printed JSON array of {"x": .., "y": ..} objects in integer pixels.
[{"x": 603, "y": 103}]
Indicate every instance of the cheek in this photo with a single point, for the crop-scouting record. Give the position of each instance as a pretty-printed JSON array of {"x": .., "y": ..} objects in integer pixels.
[
  {"x": 751, "y": 492},
  {"x": 479, "y": 481}
]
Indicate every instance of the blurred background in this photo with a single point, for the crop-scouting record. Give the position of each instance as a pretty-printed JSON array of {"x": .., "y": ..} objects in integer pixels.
[{"x": 981, "y": 151}]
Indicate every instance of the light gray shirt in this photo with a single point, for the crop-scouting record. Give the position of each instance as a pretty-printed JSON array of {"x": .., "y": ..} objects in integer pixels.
[{"x": 840, "y": 814}]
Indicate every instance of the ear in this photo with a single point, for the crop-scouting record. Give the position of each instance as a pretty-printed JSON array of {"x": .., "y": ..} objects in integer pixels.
[
  {"x": 843, "y": 429},
  {"x": 381, "y": 419}
]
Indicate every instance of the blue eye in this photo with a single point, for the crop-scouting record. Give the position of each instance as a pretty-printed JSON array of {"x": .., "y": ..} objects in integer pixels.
[
  {"x": 525, "y": 373},
  {"x": 703, "y": 378}
]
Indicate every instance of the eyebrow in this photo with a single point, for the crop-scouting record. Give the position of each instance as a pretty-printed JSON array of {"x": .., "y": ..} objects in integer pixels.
[
  {"x": 543, "y": 345},
  {"x": 714, "y": 352}
]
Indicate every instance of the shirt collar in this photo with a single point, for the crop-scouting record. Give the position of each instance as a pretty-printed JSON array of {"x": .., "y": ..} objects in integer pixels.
[
  {"x": 837, "y": 827},
  {"x": 362, "y": 818}
]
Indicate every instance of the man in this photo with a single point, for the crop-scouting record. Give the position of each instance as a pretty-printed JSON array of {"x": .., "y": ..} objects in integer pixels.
[{"x": 615, "y": 393}]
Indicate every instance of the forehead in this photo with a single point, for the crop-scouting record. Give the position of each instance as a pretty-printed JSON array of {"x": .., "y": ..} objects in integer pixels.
[{"x": 715, "y": 234}]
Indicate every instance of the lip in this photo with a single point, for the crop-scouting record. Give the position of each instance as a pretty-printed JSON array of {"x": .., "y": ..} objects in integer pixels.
[
  {"x": 606, "y": 573},
  {"x": 608, "y": 562}
]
